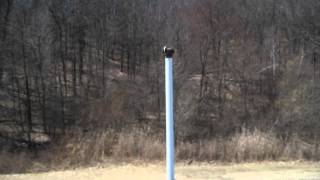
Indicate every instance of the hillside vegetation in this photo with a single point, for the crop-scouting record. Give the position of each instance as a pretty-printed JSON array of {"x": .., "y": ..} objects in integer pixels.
[{"x": 83, "y": 81}]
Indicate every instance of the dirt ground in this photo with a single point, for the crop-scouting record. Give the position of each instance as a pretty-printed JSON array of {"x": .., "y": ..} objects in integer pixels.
[{"x": 195, "y": 171}]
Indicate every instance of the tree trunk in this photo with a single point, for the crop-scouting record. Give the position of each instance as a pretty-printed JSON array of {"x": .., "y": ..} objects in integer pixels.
[{"x": 28, "y": 104}]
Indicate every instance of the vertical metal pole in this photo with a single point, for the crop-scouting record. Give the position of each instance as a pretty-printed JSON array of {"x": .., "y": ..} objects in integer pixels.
[{"x": 169, "y": 113}]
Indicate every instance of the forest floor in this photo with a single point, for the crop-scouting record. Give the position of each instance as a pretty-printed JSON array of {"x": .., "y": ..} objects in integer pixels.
[{"x": 195, "y": 171}]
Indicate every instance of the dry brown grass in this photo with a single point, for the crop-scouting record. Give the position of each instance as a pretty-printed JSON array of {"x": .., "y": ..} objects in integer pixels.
[
  {"x": 248, "y": 146},
  {"x": 254, "y": 145},
  {"x": 82, "y": 149},
  {"x": 138, "y": 145}
]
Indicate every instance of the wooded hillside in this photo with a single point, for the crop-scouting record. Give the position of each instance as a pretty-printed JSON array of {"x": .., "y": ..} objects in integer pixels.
[{"x": 74, "y": 69}]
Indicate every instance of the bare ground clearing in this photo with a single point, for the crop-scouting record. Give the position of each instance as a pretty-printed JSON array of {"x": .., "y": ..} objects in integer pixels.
[{"x": 196, "y": 171}]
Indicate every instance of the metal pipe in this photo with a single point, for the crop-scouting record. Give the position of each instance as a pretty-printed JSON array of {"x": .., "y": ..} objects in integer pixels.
[{"x": 169, "y": 112}]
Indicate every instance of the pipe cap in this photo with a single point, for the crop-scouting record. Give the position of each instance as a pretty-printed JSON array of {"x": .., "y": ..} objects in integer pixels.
[{"x": 168, "y": 52}]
